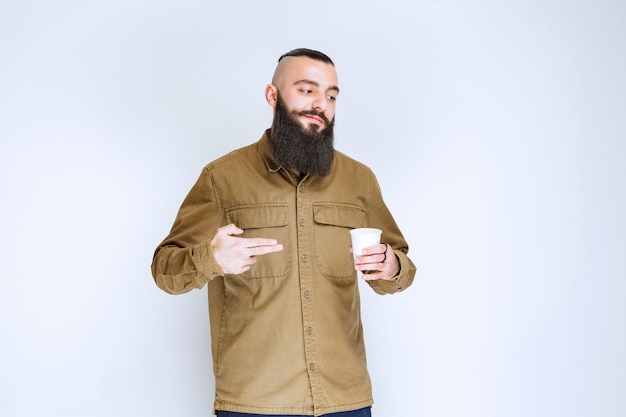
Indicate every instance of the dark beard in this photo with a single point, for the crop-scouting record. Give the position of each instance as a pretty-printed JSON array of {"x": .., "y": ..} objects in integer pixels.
[{"x": 305, "y": 150}]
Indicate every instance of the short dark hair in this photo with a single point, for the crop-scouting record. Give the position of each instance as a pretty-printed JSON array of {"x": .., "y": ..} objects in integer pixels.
[{"x": 316, "y": 55}]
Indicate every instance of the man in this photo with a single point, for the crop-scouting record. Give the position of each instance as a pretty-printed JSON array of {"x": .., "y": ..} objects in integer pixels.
[{"x": 266, "y": 228}]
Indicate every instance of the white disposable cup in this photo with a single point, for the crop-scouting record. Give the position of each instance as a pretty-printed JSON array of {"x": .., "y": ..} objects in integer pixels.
[{"x": 362, "y": 238}]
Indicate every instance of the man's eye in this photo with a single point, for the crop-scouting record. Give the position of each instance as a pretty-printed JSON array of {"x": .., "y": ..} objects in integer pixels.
[
  {"x": 307, "y": 91},
  {"x": 331, "y": 98}
]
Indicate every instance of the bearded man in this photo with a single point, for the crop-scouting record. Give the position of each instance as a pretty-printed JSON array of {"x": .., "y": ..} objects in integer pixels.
[{"x": 266, "y": 229}]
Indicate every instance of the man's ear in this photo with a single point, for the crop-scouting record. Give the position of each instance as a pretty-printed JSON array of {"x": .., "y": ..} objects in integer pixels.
[{"x": 271, "y": 95}]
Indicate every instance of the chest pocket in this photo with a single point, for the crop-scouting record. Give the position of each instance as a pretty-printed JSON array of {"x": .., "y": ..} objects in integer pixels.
[
  {"x": 333, "y": 222},
  {"x": 268, "y": 221}
]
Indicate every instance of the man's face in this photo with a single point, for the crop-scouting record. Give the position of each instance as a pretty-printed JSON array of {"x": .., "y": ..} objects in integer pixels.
[{"x": 309, "y": 89}]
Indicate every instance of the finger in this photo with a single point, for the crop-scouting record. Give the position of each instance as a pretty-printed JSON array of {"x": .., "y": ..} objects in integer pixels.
[
  {"x": 374, "y": 273},
  {"x": 262, "y": 250},
  {"x": 372, "y": 276},
  {"x": 372, "y": 268},
  {"x": 258, "y": 242},
  {"x": 369, "y": 260},
  {"x": 230, "y": 229},
  {"x": 376, "y": 249}
]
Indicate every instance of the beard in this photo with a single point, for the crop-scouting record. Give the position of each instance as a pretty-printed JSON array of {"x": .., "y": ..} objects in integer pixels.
[{"x": 308, "y": 150}]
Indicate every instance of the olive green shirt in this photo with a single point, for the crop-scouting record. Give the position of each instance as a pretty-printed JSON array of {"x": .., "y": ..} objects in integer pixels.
[{"x": 286, "y": 335}]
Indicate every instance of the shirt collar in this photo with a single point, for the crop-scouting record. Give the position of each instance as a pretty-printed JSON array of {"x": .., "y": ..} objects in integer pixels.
[
  {"x": 266, "y": 153},
  {"x": 270, "y": 162}
]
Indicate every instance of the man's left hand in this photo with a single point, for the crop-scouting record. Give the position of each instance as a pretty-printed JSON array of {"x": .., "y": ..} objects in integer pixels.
[{"x": 377, "y": 262}]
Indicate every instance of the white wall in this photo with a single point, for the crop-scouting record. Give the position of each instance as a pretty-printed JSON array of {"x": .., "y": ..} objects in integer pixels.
[{"x": 497, "y": 132}]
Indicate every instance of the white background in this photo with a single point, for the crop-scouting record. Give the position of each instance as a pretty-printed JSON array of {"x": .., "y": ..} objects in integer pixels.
[{"x": 496, "y": 129}]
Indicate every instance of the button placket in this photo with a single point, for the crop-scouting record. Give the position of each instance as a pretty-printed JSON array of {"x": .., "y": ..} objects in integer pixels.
[{"x": 303, "y": 213}]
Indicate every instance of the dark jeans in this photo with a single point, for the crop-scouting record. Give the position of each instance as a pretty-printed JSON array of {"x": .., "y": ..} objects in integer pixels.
[{"x": 363, "y": 412}]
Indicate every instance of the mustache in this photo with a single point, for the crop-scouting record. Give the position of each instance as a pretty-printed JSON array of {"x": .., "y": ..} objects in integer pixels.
[{"x": 312, "y": 113}]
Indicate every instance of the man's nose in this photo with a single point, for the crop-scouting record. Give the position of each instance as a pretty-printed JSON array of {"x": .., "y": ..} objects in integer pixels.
[{"x": 320, "y": 102}]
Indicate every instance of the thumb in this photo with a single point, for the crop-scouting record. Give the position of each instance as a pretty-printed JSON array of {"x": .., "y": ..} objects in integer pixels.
[{"x": 231, "y": 229}]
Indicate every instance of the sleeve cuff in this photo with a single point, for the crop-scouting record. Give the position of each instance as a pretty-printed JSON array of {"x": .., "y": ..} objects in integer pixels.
[
  {"x": 400, "y": 282},
  {"x": 205, "y": 262}
]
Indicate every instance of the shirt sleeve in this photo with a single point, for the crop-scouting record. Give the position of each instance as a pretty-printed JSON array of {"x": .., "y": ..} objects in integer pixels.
[
  {"x": 184, "y": 260},
  {"x": 380, "y": 217}
]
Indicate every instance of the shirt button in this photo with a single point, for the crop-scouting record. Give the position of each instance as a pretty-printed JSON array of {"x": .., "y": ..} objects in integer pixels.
[
  {"x": 301, "y": 222},
  {"x": 312, "y": 366},
  {"x": 307, "y": 294},
  {"x": 305, "y": 258},
  {"x": 309, "y": 330}
]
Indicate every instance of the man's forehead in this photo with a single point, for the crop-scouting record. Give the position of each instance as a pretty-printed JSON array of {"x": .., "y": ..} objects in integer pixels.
[{"x": 296, "y": 68}]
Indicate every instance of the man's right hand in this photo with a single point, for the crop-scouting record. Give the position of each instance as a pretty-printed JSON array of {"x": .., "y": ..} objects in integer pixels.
[{"x": 235, "y": 255}]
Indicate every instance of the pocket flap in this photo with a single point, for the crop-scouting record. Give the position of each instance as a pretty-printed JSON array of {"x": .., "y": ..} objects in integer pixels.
[
  {"x": 254, "y": 216},
  {"x": 339, "y": 214}
]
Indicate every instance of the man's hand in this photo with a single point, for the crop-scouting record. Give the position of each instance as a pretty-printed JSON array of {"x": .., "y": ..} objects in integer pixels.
[
  {"x": 377, "y": 262},
  {"x": 235, "y": 255}
]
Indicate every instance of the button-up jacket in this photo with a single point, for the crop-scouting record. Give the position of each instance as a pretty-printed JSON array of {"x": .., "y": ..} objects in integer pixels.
[{"x": 286, "y": 335}]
